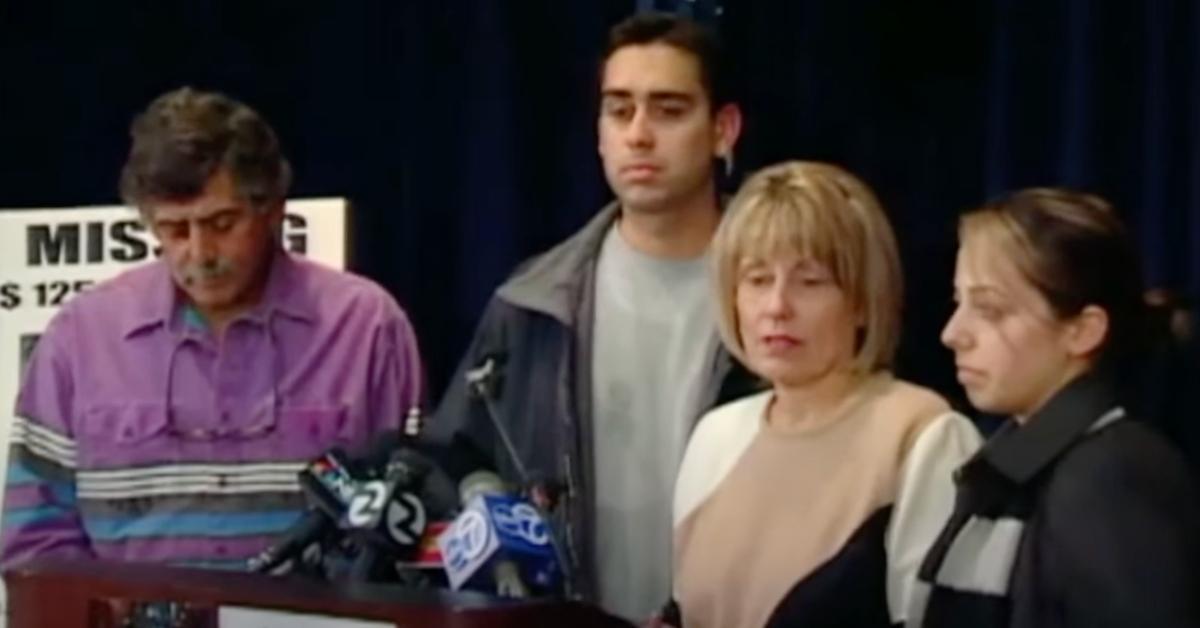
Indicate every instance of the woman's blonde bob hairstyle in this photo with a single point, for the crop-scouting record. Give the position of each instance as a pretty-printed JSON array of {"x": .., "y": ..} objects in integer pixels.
[{"x": 824, "y": 213}]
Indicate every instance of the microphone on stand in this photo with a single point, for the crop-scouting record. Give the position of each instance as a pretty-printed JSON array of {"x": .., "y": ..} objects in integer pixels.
[{"x": 485, "y": 382}]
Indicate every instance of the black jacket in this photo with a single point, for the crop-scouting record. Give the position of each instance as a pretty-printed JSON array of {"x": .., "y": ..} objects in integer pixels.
[
  {"x": 1080, "y": 518},
  {"x": 538, "y": 329}
]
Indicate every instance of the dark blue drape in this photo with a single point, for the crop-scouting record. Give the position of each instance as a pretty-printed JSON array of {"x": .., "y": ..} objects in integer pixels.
[{"x": 463, "y": 130}]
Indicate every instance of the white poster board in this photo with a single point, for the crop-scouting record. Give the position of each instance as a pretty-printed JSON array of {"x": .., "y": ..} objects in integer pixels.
[
  {"x": 237, "y": 617},
  {"x": 48, "y": 255}
]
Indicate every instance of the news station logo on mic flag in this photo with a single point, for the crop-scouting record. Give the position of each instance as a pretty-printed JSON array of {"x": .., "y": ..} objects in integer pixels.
[
  {"x": 329, "y": 480},
  {"x": 495, "y": 527}
]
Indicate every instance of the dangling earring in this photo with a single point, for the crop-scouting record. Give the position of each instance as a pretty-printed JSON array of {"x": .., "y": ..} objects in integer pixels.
[{"x": 728, "y": 159}]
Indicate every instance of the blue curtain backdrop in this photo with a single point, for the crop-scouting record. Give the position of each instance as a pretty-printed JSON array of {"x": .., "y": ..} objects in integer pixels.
[{"x": 463, "y": 130}]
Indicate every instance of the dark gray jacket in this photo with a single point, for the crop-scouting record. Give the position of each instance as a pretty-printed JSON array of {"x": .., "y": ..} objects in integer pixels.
[{"x": 538, "y": 326}]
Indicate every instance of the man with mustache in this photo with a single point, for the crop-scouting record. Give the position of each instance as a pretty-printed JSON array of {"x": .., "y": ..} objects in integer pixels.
[
  {"x": 166, "y": 412},
  {"x": 608, "y": 342}
]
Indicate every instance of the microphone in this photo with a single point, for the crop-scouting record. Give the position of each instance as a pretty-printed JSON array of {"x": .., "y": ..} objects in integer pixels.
[
  {"x": 373, "y": 500},
  {"x": 484, "y": 383},
  {"x": 328, "y": 486},
  {"x": 499, "y": 542},
  {"x": 386, "y": 516},
  {"x": 311, "y": 527},
  {"x": 505, "y": 574},
  {"x": 388, "y": 519}
]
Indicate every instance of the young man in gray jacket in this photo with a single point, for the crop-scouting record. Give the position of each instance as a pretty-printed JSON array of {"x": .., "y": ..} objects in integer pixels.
[{"x": 606, "y": 344}]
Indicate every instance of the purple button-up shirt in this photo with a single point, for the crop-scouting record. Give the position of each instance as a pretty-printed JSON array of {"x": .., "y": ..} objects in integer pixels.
[{"x": 141, "y": 437}]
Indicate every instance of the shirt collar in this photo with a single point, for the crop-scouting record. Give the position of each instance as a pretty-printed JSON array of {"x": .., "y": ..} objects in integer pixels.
[
  {"x": 284, "y": 294},
  {"x": 1019, "y": 452}
]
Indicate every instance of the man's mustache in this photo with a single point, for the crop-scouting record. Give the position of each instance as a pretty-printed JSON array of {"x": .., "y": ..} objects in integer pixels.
[{"x": 206, "y": 271}]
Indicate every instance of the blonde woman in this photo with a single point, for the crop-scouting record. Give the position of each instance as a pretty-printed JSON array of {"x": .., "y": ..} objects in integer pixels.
[{"x": 811, "y": 504}]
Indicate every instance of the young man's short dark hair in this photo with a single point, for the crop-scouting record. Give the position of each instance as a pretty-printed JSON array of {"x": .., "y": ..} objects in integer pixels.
[{"x": 681, "y": 33}]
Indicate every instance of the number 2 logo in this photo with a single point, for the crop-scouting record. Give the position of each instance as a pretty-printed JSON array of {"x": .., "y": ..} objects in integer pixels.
[{"x": 367, "y": 504}]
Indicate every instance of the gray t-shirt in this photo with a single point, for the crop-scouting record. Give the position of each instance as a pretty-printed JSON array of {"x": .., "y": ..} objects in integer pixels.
[{"x": 653, "y": 343}]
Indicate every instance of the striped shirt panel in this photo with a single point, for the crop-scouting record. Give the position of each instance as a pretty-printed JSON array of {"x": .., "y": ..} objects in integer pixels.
[{"x": 193, "y": 514}]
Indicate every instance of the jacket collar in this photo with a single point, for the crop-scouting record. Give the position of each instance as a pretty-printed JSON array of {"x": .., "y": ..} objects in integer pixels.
[
  {"x": 1019, "y": 452},
  {"x": 550, "y": 283}
]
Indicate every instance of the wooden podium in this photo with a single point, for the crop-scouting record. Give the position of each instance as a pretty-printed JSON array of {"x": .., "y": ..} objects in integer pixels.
[{"x": 70, "y": 594}]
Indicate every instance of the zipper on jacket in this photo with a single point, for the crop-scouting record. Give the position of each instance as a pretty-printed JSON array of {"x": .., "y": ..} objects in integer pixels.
[{"x": 569, "y": 529}]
